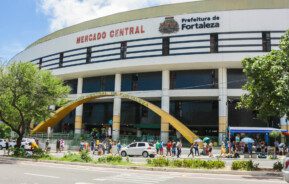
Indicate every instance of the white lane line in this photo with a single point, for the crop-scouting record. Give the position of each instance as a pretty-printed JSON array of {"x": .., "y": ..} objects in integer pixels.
[
  {"x": 40, "y": 175},
  {"x": 234, "y": 179}
]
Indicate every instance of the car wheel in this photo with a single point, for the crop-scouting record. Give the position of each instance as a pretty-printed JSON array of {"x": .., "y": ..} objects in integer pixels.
[
  {"x": 1, "y": 147},
  {"x": 123, "y": 154},
  {"x": 145, "y": 154}
]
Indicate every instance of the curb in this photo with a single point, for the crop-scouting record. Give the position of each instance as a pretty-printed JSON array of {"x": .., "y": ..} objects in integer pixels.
[{"x": 163, "y": 169}]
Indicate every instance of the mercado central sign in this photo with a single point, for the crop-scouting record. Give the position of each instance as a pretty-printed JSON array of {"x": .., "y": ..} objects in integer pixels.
[{"x": 167, "y": 25}]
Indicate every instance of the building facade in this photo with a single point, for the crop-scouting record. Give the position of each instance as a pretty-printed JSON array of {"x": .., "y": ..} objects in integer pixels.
[{"x": 184, "y": 58}]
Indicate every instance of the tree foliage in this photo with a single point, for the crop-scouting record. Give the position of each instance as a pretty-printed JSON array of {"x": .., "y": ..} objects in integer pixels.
[
  {"x": 25, "y": 95},
  {"x": 268, "y": 82},
  {"x": 5, "y": 131}
]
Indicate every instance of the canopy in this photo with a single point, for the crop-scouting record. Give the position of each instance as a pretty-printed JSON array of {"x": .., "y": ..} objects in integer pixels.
[{"x": 254, "y": 129}]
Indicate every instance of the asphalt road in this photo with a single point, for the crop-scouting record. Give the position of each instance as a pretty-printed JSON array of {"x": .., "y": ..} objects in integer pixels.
[{"x": 47, "y": 173}]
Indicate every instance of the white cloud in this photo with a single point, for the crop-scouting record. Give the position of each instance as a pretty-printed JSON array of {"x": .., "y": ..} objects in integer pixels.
[{"x": 63, "y": 13}]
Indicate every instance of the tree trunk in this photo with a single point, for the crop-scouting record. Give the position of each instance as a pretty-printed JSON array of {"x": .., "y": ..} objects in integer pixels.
[{"x": 19, "y": 140}]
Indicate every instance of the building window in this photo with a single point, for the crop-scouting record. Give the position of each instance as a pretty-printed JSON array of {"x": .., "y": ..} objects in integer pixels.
[
  {"x": 88, "y": 55},
  {"x": 194, "y": 79},
  {"x": 266, "y": 41},
  {"x": 141, "y": 81},
  {"x": 61, "y": 60},
  {"x": 40, "y": 63},
  {"x": 123, "y": 49},
  {"x": 166, "y": 46},
  {"x": 214, "y": 43},
  {"x": 134, "y": 82}
]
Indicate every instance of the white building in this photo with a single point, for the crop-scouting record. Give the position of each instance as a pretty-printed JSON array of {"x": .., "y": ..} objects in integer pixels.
[{"x": 185, "y": 57}]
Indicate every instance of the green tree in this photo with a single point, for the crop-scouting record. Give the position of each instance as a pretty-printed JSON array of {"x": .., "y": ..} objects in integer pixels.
[
  {"x": 268, "y": 82},
  {"x": 25, "y": 95},
  {"x": 5, "y": 131}
]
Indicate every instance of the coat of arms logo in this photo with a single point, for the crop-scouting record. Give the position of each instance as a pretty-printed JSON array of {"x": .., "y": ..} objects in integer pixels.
[{"x": 170, "y": 25}]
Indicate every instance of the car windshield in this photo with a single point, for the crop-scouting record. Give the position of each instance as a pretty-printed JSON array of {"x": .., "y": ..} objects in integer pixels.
[{"x": 151, "y": 144}]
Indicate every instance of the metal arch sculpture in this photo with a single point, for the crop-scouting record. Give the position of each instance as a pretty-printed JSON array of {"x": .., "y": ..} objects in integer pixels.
[{"x": 65, "y": 110}]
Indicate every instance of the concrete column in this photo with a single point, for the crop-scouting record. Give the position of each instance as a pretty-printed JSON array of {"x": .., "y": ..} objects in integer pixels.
[
  {"x": 223, "y": 105},
  {"x": 284, "y": 125},
  {"x": 116, "y": 109},
  {"x": 165, "y": 105},
  {"x": 78, "y": 110}
]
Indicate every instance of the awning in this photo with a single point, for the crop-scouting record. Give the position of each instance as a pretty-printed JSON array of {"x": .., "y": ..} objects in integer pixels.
[{"x": 254, "y": 129}]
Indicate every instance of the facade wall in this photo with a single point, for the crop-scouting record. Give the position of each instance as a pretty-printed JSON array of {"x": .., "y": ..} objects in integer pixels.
[{"x": 188, "y": 64}]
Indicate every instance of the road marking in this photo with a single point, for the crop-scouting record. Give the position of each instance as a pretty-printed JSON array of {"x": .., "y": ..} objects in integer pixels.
[
  {"x": 136, "y": 178},
  {"x": 40, "y": 175},
  {"x": 233, "y": 179}
]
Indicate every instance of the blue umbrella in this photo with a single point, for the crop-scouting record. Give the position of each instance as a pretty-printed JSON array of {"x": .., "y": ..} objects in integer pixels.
[{"x": 247, "y": 140}]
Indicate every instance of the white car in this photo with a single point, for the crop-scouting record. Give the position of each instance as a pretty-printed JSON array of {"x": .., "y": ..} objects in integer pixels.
[
  {"x": 144, "y": 149},
  {"x": 286, "y": 169},
  {"x": 12, "y": 143},
  {"x": 2, "y": 144}
]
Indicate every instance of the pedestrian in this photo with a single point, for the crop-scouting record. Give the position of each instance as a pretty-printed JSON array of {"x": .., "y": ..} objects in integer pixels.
[
  {"x": 158, "y": 146},
  {"x": 210, "y": 150},
  {"x": 57, "y": 145},
  {"x": 179, "y": 148},
  {"x": 196, "y": 148},
  {"x": 7, "y": 146},
  {"x": 47, "y": 148},
  {"x": 191, "y": 151},
  {"x": 62, "y": 145},
  {"x": 81, "y": 146},
  {"x": 169, "y": 147},
  {"x": 109, "y": 146},
  {"x": 118, "y": 146},
  {"x": 92, "y": 145},
  {"x": 174, "y": 148},
  {"x": 161, "y": 148}
]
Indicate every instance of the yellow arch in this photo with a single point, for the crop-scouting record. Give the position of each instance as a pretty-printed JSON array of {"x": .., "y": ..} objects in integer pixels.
[{"x": 63, "y": 111}]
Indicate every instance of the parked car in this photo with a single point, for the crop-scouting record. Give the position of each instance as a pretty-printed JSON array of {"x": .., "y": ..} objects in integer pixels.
[
  {"x": 144, "y": 149},
  {"x": 286, "y": 169},
  {"x": 12, "y": 143},
  {"x": 2, "y": 144}
]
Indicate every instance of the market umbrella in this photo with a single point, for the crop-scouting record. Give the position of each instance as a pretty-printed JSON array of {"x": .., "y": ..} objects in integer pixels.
[
  {"x": 247, "y": 140},
  {"x": 206, "y": 139},
  {"x": 198, "y": 140}
]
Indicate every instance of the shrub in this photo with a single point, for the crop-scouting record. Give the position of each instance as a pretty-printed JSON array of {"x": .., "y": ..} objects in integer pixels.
[
  {"x": 244, "y": 165},
  {"x": 71, "y": 157},
  {"x": 177, "y": 163},
  {"x": 278, "y": 166},
  {"x": 197, "y": 163},
  {"x": 214, "y": 164},
  {"x": 18, "y": 152},
  {"x": 159, "y": 162},
  {"x": 110, "y": 159},
  {"x": 84, "y": 155},
  {"x": 187, "y": 163},
  {"x": 38, "y": 153}
]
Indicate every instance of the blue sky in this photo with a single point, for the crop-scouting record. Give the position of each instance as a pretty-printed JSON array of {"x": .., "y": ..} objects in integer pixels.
[
  {"x": 21, "y": 23},
  {"x": 24, "y": 21}
]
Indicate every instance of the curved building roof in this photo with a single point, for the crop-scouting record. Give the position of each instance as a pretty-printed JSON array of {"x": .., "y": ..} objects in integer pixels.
[{"x": 168, "y": 10}]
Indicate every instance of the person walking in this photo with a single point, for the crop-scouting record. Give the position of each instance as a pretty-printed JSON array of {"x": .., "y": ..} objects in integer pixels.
[
  {"x": 57, "y": 145},
  {"x": 179, "y": 148},
  {"x": 7, "y": 147},
  {"x": 169, "y": 147},
  {"x": 196, "y": 148},
  {"x": 92, "y": 146},
  {"x": 161, "y": 148},
  {"x": 174, "y": 148},
  {"x": 118, "y": 146},
  {"x": 62, "y": 145},
  {"x": 158, "y": 146},
  {"x": 191, "y": 151},
  {"x": 210, "y": 149}
]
